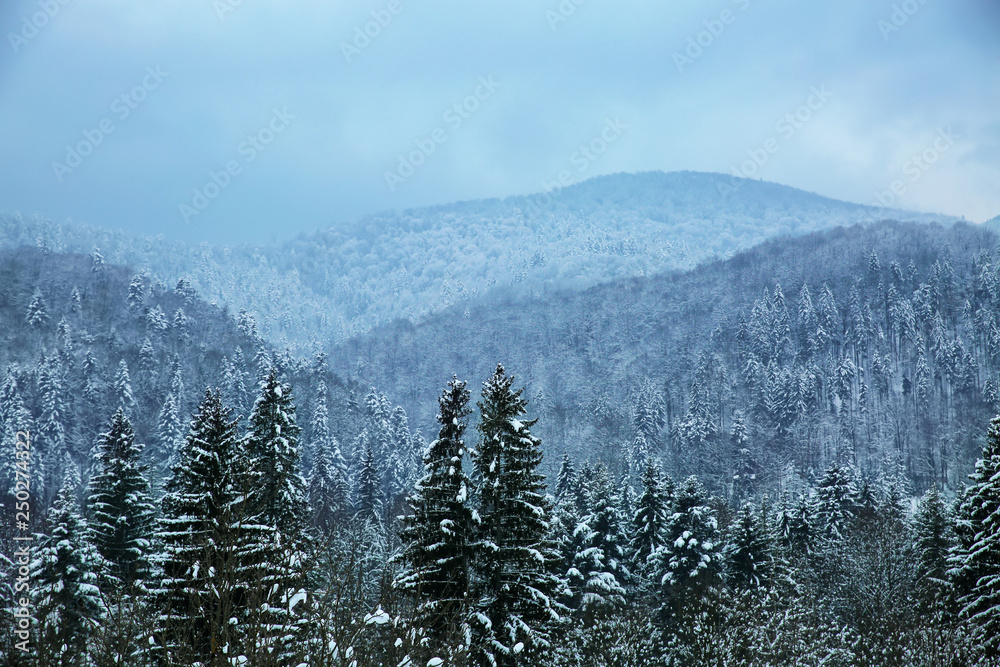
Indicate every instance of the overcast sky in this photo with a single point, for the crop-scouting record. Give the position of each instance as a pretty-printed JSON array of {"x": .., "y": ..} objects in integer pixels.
[{"x": 184, "y": 85}]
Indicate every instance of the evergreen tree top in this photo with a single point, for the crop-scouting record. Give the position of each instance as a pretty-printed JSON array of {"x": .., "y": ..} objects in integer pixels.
[{"x": 209, "y": 450}]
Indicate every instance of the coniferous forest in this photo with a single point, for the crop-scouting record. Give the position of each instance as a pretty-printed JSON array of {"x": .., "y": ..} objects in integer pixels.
[{"x": 785, "y": 458}]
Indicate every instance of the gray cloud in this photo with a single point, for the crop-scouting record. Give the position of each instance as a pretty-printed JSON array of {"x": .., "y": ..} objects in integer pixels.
[{"x": 892, "y": 90}]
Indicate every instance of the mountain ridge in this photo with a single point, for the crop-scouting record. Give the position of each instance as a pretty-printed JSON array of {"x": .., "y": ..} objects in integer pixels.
[{"x": 341, "y": 281}]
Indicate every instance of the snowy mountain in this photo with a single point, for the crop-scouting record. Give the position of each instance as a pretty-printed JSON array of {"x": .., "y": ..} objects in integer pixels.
[{"x": 341, "y": 281}]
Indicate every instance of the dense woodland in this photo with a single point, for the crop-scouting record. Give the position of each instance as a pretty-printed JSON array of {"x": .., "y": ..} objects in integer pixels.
[
  {"x": 878, "y": 345},
  {"x": 764, "y": 461}
]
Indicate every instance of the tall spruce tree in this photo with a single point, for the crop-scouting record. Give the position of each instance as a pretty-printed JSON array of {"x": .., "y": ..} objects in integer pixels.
[
  {"x": 933, "y": 543},
  {"x": 122, "y": 512},
  {"x": 689, "y": 564},
  {"x": 749, "y": 551},
  {"x": 601, "y": 563},
  {"x": 649, "y": 521},
  {"x": 51, "y": 440},
  {"x": 517, "y": 587},
  {"x": 566, "y": 478},
  {"x": 64, "y": 575},
  {"x": 169, "y": 437},
  {"x": 328, "y": 494},
  {"x": 319, "y": 426},
  {"x": 277, "y": 502},
  {"x": 278, "y": 491},
  {"x": 403, "y": 462},
  {"x": 212, "y": 545},
  {"x": 37, "y": 314},
  {"x": 796, "y": 529},
  {"x": 437, "y": 535},
  {"x": 123, "y": 389},
  {"x": 978, "y": 564},
  {"x": 837, "y": 499},
  {"x": 369, "y": 489}
]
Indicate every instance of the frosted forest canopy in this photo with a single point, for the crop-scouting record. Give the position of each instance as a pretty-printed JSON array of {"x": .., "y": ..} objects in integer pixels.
[{"x": 761, "y": 460}]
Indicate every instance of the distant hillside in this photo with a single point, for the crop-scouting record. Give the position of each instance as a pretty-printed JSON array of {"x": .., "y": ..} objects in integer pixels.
[
  {"x": 79, "y": 337},
  {"x": 867, "y": 342},
  {"x": 342, "y": 281}
]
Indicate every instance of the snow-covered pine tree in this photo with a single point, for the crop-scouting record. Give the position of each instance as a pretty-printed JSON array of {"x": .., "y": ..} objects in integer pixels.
[
  {"x": 319, "y": 427},
  {"x": 328, "y": 494},
  {"x": 148, "y": 369},
  {"x": 796, "y": 529},
  {"x": 181, "y": 326},
  {"x": 689, "y": 564},
  {"x": 749, "y": 551},
  {"x": 212, "y": 547},
  {"x": 278, "y": 491},
  {"x": 837, "y": 500},
  {"x": 277, "y": 500},
  {"x": 437, "y": 535},
  {"x": 626, "y": 504},
  {"x": 51, "y": 443},
  {"x": 932, "y": 528},
  {"x": 121, "y": 511},
  {"x": 177, "y": 387},
  {"x": 601, "y": 562},
  {"x": 97, "y": 265},
  {"x": 978, "y": 563},
  {"x": 649, "y": 521},
  {"x": 637, "y": 453},
  {"x": 517, "y": 589},
  {"x": 404, "y": 461},
  {"x": 91, "y": 399},
  {"x": 376, "y": 407},
  {"x": 744, "y": 465},
  {"x": 564, "y": 538},
  {"x": 169, "y": 438},
  {"x": 369, "y": 489},
  {"x": 874, "y": 267},
  {"x": 136, "y": 294},
  {"x": 64, "y": 575},
  {"x": 37, "y": 314},
  {"x": 648, "y": 413},
  {"x": 123, "y": 389},
  {"x": 566, "y": 479},
  {"x": 233, "y": 386}
]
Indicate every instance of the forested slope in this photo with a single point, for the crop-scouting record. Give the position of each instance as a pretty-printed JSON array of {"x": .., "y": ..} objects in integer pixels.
[
  {"x": 80, "y": 337},
  {"x": 874, "y": 343},
  {"x": 284, "y": 523}
]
